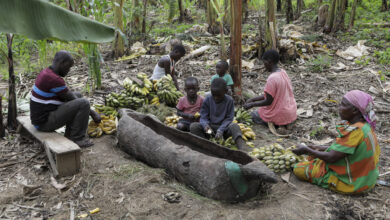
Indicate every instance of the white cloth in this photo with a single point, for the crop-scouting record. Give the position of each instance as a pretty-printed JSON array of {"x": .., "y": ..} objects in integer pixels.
[{"x": 159, "y": 72}]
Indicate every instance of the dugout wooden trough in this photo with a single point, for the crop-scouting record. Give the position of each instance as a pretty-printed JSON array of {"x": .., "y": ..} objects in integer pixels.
[{"x": 210, "y": 169}]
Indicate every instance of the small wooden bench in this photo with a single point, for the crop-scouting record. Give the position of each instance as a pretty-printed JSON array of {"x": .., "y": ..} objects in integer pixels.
[{"x": 63, "y": 154}]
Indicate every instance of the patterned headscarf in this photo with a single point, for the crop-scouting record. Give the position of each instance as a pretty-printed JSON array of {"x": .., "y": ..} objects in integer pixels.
[{"x": 364, "y": 103}]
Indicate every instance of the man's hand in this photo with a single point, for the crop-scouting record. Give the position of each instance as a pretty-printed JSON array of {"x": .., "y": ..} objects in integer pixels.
[
  {"x": 219, "y": 135},
  {"x": 248, "y": 105},
  {"x": 301, "y": 149},
  {"x": 95, "y": 116}
]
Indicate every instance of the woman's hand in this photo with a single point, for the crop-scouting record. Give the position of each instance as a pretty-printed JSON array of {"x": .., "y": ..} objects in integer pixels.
[
  {"x": 301, "y": 149},
  {"x": 248, "y": 105}
]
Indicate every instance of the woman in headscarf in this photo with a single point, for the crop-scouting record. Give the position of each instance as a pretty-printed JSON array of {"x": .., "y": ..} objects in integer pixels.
[{"x": 350, "y": 164}]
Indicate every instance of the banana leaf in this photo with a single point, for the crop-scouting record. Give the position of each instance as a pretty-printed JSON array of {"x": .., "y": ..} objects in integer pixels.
[{"x": 40, "y": 19}]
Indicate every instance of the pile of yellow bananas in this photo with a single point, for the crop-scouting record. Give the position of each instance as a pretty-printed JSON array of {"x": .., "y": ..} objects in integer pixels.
[
  {"x": 247, "y": 132},
  {"x": 172, "y": 121},
  {"x": 106, "y": 126}
]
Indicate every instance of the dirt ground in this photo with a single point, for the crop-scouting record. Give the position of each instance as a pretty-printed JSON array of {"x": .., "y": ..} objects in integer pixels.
[{"x": 124, "y": 188}]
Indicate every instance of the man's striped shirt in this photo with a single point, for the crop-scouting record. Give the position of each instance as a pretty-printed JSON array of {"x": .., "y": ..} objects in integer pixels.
[{"x": 44, "y": 95}]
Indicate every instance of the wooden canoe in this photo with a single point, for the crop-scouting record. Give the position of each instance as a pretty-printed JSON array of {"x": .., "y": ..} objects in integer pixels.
[{"x": 210, "y": 169}]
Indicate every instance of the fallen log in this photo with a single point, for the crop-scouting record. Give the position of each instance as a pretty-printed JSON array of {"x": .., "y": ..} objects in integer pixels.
[
  {"x": 196, "y": 53},
  {"x": 380, "y": 25},
  {"x": 212, "y": 170}
]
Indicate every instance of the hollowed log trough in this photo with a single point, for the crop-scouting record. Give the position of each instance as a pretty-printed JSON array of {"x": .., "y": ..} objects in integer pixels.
[{"x": 210, "y": 169}]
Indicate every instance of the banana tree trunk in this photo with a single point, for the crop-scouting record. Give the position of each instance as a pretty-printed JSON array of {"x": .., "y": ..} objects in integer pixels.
[
  {"x": 353, "y": 12},
  {"x": 331, "y": 17},
  {"x": 279, "y": 5},
  {"x": 136, "y": 18},
  {"x": 245, "y": 11},
  {"x": 299, "y": 8},
  {"x": 12, "y": 108},
  {"x": 289, "y": 12},
  {"x": 2, "y": 129},
  {"x": 384, "y": 5},
  {"x": 144, "y": 17},
  {"x": 211, "y": 18},
  {"x": 119, "y": 45},
  {"x": 181, "y": 10},
  {"x": 235, "y": 45},
  {"x": 270, "y": 31},
  {"x": 261, "y": 35},
  {"x": 339, "y": 19}
]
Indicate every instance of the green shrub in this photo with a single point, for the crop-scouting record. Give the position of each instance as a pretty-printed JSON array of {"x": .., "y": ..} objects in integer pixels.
[{"x": 319, "y": 64}]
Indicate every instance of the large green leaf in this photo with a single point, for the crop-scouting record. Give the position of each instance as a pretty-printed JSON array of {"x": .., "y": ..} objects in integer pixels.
[{"x": 39, "y": 19}]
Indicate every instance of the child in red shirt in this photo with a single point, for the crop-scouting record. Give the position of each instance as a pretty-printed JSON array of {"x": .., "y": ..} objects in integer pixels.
[{"x": 189, "y": 105}]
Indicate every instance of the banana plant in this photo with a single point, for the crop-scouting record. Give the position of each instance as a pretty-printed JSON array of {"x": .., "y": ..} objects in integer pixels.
[
  {"x": 39, "y": 20},
  {"x": 218, "y": 6}
]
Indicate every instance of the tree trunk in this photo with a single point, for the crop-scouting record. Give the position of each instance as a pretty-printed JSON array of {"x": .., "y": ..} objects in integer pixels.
[
  {"x": 12, "y": 108},
  {"x": 136, "y": 20},
  {"x": 330, "y": 18},
  {"x": 289, "y": 11},
  {"x": 2, "y": 129},
  {"x": 144, "y": 17},
  {"x": 319, "y": 3},
  {"x": 278, "y": 5},
  {"x": 270, "y": 30},
  {"x": 235, "y": 45},
  {"x": 339, "y": 18},
  {"x": 181, "y": 18},
  {"x": 227, "y": 18},
  {"x": 245, "y": 9},
  {"x": 384, "y": 5},
  {"x": 212, "y": 19},
  {"x": 119, "y": 45},
  {"x": 299, "y": 8},
  {"x": 353, "y": 12},
  {"x": 261, "y": 36}
]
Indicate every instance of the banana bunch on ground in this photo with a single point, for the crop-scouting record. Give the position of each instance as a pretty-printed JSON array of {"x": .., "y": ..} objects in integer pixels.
[
  {"x": 247, "y": 132},
  {"x": 166, "y": 91},
  {"x": 243, "y": 116},
  {"x": 172, "y": 121},
  {"x": 123, "y": 100},
  {"x": 229, "y": 143},
  {"x": 161, "y": 111},
  {"x": 170, "y": 97},
  {"x": 140, "y": 87},
  {"x": 277, "y": 158},
  {"x": 155, "y": 101},
  {"x": 106, "y": 126},
  {"x": 106, "y": 110}
]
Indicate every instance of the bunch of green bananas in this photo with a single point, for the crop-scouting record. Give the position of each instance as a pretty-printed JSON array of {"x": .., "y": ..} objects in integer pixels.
[
  {"x": 243, "y": 116},
  {"x": 143, "y": 86},
  {"x": 123, "y": 100},
  {"x": 229, "y": 143},
  {"x": 166, "y": 91},
  {"x": 170, "y": 97},
  {"x": 106, "y": 110},
  {"x": 277, "y": 158},
  {"x": 155, "y": 101}
]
